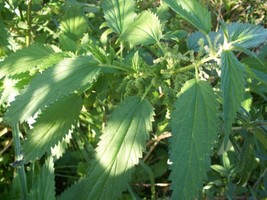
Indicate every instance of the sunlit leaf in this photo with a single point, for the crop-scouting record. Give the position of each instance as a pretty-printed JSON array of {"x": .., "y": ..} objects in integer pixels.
[
  {"x": 119, "y": 14},
  {"x": 194, "y": 125},
  {"x": 119, "y": 149},
  {"x": 233, "y": 89},
  {"x": 43, "y": 186},
  {"x": 51, "y": 126},
  {"x": 27, "y": 59},
  {"x": 192, "y": 11},
  {"x": 246, "y": 35},
  {"x": 69, "y": 75},
  {"x": 146, "y": 29}
]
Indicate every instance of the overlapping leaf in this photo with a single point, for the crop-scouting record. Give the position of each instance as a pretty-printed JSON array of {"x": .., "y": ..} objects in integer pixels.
[
  {"x": 118, "y": 151},
  {"x": 145, "y": 30},
  {"x": 51, "y": 126},
  {"x": 233, "y": 89},
  {"x": 67, "y": 76},
  {"x": 194, "y": 12},
  {"x": 44, "y": 184},
  {"x": 28, "y": 58},
  {"x": 194, "y": 125},
  {"x": 119, "y": 14},
  {"x": 246, "y": 35}
]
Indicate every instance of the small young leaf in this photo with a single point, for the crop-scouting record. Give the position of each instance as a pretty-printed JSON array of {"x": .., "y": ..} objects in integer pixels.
[
  {"x": 25, "y": 59},
  {"x": 119, "y": 14},
  {"x": 119, "y": 149},
  {"x": 233, "y": 89},
  {"x": 43, "y": 186},
  {"x": 51, "y": 126},
  {"x": 145, "y": 30},
  {"x": 69, "y": 75},
  {"x": 194, "y": 12},
  {"x": 194, "y": 125},
  {"x": 246, "y": 35}
]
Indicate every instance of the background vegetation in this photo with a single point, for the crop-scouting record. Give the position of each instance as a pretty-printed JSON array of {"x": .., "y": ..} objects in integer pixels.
[{"x": 38, "y": 36}]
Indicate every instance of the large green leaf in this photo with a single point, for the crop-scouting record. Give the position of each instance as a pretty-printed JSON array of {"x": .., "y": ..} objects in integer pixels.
[
  {"x": 233, "y": 89},
  {"x": 194, "y": 12},
  {"x": 43, "y": 186},
  {"x": 51, "y": 126},
  {"x": 146, "y": 29},
  {"x": 194, "y": 125},
  {"x": 28, "y": 58},
  {"x": 67, "y": 76},
  {"x": 118, "y": 151},
  {"x": 246, "y": 35},
  {"x": 119, "y": 14}
]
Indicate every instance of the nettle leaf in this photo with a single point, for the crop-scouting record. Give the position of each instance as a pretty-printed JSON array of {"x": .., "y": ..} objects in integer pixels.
[
  {"x": 26, "y": 59},
  {"x": 246, "y": 35},
  {"x": 69, "y": 75},
  {"x": 43, "y": 186},
  {"x": 119, "y": 14},
  {"x": 74, "y": 23},
  {"x": 4, "y": 34},
  {"x": 145, "y": 30},
  {"x": 194, "y": 125},
  {"x": 233, "y": 89},
  {"x": 118, "y": 151},
  {"x": 51, "y": 126},
  {"x": 192, "y": 11}
]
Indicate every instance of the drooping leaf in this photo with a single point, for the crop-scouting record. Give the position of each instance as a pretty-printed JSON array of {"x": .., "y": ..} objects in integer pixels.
[
  {"x": 194, "y": 125},
  {"x": 119, "y": 14},
  {"x": 246, "y": 35},
  {"x": 26, "y": 59},
  {"x": 74, "y": 23},
  {"x": 233, "y": 89},
  {"x": 145, "y": 30},
  {"x": 194, "y": 12},
  {"x": 118, "y": 151},
  {"x": 51, "y": 126},
  {"x": 67, "y": 76},
  {"x": 43, "y": 187}
]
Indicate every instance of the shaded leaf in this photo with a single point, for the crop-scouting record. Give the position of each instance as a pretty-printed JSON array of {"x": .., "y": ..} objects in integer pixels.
[
  {"x": 194, "y": 125},
  {"x": 3, "y": 34},
  {"x": 69, "y": 75},
  {"x": 119, "y": 14},
  {"x": 43, "y": 187},
  {"x": 246, "y": 35},
  {"x": 192, "y": 11},
  {"x": 233, "y": 89},
  {"x": 51, "y": 126},
  {"x": 146, "y": 29},
  {"x": 119, "y": 149}
]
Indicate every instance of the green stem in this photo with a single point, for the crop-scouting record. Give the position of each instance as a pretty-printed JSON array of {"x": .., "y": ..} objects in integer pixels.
[
  {"x": 152, "y": 179},
  {"x": 19, "y": 157},
  {"x": 147, "y": 90},
  {"x": 29, "y": 23}
]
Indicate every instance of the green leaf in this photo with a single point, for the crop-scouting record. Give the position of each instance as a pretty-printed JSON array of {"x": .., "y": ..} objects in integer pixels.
[
  {"x": 246, "y": 35},
  {"x": 194, "y": 125},
  {"x": 192, "y": 11},
  {"x": 4, "y": 34},
  {"x": 69, "y": 75},
  {"x": 118, "y": 151},
  {"x": 145, "y": 30},
  {"x": 261, "y": 135},
  {"x": 51, "y": 126},
  {"x": 74, "y": 23},
  {"x": 25, "y": 59},
  {"x": 233, "y": 89},
  {"x": 119, "y": 14},
  {"x": 43, "y": 187}
]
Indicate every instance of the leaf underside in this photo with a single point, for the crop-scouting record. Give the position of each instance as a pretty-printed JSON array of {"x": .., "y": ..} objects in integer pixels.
[
  {"x": 118, "y": 151},
  {"x": 51, "y": 126},
  {"x": 194, "y": 125},
  {"x": 233, "y": 89},
  {"x": 69, "y": 75}
]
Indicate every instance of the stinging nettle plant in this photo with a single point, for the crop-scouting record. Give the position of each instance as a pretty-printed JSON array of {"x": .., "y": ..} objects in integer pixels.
[{"x": 134, "y": 66}]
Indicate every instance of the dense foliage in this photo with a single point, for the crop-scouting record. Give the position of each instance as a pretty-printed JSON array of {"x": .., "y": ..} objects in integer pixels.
[{"x": 119, "y": 99}]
